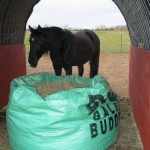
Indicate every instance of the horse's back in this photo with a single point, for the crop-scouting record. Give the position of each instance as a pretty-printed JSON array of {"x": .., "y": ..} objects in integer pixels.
[
  {"x": 84, "y": 46},
  {"x": 92, "y": 36}
]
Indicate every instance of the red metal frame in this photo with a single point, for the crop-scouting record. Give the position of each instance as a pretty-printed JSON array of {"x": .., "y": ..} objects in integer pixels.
[
  {"x": 139, "y": 91},
  {"x": 12, "y": 65}
]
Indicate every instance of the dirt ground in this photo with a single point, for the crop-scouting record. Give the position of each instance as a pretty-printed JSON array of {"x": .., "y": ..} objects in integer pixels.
[{"x": 115, "y": 68}]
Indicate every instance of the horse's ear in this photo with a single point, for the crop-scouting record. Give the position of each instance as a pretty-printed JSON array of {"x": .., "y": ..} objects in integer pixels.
[
  {"x": 39, "y": 28},
  {"x": 31, "y": 29}
]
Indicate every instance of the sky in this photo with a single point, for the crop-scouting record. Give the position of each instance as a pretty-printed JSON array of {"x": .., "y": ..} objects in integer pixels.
[{"x": 76, "y": 14}]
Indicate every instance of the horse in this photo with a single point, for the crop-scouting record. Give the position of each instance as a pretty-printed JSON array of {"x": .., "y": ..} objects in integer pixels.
[{"x": 66, "y": 49}]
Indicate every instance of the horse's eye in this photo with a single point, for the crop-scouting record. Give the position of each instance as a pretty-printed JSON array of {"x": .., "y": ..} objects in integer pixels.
[{"x": 32, "y": 39}]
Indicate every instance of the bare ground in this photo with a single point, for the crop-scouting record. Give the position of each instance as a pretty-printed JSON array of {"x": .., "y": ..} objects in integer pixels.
[{"x": 115, "y": 68}]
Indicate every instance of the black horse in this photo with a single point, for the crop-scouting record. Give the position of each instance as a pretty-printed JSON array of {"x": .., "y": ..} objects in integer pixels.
[{"x": 66, "y": 49}]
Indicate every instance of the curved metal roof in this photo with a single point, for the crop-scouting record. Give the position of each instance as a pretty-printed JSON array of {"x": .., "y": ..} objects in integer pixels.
[
  {"x": 137, "y": 16},
  {"x": 14, "y": 16}
]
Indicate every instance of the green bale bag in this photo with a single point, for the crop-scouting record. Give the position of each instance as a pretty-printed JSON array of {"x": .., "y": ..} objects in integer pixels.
[{"x": 85, "y": 118}]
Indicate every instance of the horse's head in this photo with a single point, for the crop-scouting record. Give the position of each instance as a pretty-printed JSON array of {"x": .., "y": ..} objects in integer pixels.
[{"x": 37, "y": 41}]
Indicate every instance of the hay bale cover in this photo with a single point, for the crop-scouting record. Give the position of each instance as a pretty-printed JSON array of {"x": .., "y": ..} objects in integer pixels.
[{"x": 84, "y": 118}]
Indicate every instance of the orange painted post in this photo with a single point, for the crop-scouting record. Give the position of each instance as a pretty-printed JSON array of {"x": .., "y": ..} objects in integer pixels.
[{"x": 12, "y": 65}]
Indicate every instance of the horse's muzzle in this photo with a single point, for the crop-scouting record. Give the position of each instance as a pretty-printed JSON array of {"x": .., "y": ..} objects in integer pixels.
[
  {"x": 33, "y": 65},
  {"x": 32, "y": 62}
]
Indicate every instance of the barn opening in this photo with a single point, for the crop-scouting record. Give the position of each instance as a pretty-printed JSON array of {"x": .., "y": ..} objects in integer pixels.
[{"x": 114, "y": 36}]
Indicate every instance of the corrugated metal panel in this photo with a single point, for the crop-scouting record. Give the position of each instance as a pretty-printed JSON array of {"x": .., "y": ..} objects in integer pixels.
[
  {"x": 137, "y": 15},
  {"x": 14, "y": 15}
]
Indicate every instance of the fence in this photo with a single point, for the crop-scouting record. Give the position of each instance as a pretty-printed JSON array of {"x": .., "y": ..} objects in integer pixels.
[{"x": 114, "y": 41}]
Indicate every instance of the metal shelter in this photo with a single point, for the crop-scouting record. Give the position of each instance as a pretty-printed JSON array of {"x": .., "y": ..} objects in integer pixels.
[{"x": 13, "y": 19}]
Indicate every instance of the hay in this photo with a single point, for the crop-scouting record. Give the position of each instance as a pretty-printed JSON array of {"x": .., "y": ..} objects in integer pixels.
[{"x": 47, "y": 88}]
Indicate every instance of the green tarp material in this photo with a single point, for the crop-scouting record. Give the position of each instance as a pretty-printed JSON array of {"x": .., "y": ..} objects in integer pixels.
[{"x": 75, "y": 119}]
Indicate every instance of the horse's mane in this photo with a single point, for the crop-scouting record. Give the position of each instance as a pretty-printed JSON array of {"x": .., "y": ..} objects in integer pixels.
[
  {"x": 53, "y": 28},
  {"x": 57, "y": 31}
]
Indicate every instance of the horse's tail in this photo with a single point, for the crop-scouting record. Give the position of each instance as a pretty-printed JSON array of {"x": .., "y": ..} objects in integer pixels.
[{"x": 94, "y": 61}]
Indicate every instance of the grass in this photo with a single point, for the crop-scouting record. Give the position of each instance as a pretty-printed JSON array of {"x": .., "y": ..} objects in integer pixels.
[
  {"x": 114, "y": 41},
  {"x": 26, "y": 41}
]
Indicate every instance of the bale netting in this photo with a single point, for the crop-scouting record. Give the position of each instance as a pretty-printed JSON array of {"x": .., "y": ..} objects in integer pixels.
[{"x": 83, "y": 116}]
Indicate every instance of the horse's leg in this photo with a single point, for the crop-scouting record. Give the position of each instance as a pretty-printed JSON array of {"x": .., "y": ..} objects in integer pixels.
[
  {"x": 58, "y": 69},
  {"x": 94, "y": 64},
  {"x": 80, "y": 70},
  {"x": 68, "y": 69}
]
